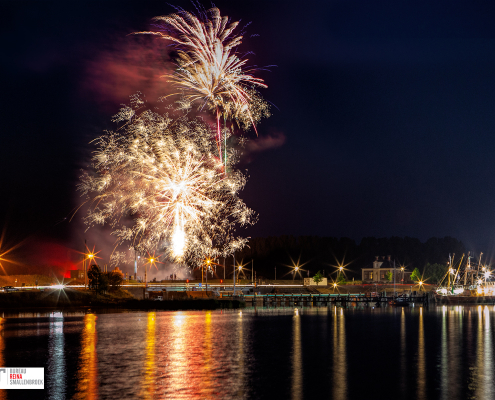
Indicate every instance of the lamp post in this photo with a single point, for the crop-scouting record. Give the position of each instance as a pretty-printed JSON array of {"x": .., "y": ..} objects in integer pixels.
[
  {"x": 252, "y": 271},
  {"x": 208, "y": 263},
  {"x": 90, "y": 257},
  {"x": 233, "y": 294},
  {"x": 296, "y": 269}
]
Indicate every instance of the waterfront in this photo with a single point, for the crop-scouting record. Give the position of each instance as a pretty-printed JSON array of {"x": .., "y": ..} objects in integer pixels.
[{"x": 443, "y": 352}]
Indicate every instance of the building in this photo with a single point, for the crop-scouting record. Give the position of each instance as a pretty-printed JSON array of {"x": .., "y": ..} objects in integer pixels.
[
  {"x": 381, "y": 267},
  {"x": 76, "y": 274}
]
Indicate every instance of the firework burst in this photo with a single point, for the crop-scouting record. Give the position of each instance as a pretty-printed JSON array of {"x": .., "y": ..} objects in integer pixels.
[
  {"x": 208, "y": 69},
  {"x": 157, "y": 182}
]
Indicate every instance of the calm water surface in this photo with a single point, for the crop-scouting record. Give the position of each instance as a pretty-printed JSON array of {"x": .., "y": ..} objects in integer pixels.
[{"x": 285, "y": 353}]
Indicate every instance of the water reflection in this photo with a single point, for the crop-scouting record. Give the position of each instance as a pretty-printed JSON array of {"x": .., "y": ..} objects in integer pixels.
[
  {"x": 148, "y": 388},
  {"x": 421, "y": 358},
  {"x": 87, "y": 384},
  {"x": 221, "y": 355},
  {"x": 339, "y": 387},
  {"x": 297, "y": 384},
  {"x": 483, "y": 382},
  {"x": 3, "y": 393},
  {"x": 403, "y": 351},
  {"x": 488, "y": 356},
  {"x": 242, "y": 356},
  {"x": 207, "y": 356},
  {"x": 56, "y": 370}
]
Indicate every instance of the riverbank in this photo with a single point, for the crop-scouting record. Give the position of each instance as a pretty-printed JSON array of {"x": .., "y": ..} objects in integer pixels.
[{"x": 73, "y": 299}]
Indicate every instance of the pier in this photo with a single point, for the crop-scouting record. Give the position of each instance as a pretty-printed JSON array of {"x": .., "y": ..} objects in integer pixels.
[{"x": 308, "y": 299}]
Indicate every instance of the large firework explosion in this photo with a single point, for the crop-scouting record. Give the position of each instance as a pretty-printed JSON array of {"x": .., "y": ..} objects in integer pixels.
[
  {"x": 157, "y": 182},
  {"x": 209, "y": 71}
]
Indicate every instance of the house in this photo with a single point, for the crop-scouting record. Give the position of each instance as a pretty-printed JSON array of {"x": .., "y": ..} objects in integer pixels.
[
  {"x": 77, "y": 274},
  {"x": 381, "y": 267}
]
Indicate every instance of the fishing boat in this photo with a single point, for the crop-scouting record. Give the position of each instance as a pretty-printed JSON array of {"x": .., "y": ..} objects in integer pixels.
[{"x": 465, "y": 283}]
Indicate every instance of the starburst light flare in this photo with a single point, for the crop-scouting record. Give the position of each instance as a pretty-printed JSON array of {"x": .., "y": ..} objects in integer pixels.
[
  {"x": 158, "y": 184},
  {"x": 208, "y": 69}
]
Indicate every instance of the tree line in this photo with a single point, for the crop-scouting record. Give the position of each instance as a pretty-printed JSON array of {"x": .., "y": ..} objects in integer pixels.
[{"x": 327, "y": 253}]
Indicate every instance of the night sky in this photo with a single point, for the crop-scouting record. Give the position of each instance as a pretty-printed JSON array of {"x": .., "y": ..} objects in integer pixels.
[{"x": 383, "y": 123}]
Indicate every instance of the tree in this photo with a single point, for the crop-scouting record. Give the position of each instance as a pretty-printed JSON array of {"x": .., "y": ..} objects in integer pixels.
[
  {"x": 94, "y": 274},
  {"x": 103, "y": 282},
  {"x": 415, "y": 275},
  {"x": 115, "y": 280},
  {"x": 341, "y": 279},
  {"x": 389, "y": 276},
  {"x": 318, "y": 277},
  {"x": 435, "y": 272}
]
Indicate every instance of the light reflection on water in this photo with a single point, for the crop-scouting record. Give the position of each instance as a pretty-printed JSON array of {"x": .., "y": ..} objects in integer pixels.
[
  {"x": 339, "y": 387},
  {"x": 56, "y": 369},
  {"x": 418, "y": 353},
  {"x": 297, "y": 379}
]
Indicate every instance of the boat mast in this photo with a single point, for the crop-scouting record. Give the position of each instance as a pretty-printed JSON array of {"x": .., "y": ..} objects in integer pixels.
[
  {"x": 468, "y": 268},
  {"x": 478, "y": 272},
  {"x": 450, "y": 268},
  {"x": 456, "y": 273}
]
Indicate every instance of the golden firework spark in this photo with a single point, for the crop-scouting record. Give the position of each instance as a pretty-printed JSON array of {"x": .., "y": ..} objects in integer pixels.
[
  {"x": 158, "y": 184},
  {"x": 209, "y": 70}
]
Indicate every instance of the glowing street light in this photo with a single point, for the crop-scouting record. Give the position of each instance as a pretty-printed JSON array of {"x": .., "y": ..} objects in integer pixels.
[
  {"x": 90, "y": 256},
  {"x": 296, "y": 267}
]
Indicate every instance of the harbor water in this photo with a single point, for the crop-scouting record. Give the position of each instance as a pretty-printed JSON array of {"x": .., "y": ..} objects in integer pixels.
[{"x": 435, "y": 352}]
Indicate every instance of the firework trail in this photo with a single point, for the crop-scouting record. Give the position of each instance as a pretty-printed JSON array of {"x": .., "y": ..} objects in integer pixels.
[
  {"x": 209, "y": 71},
  {"x": 159, "y": 175}
]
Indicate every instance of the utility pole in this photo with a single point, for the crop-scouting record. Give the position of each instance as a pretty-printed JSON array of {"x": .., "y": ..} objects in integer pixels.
[
  {"x": 252, "y": 269},
  {"x": 84, "y": 265},
  {"x": 478, "y": 273},
  {"x": 275, "y": 273},
  {"x": 224, "y": 268},
  {"x": 468, "y": 268},
  {"x": 233, "y": 294},
  {"x": 135, "y": 264}
]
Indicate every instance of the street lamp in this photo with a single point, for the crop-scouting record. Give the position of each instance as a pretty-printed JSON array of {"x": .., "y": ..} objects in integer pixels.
[
  {"x": 296, "y": 269},
  {"x": 206, "y": 263},
  {"x": 90, "y": 258},
  {"x": 151, "y": 261}
]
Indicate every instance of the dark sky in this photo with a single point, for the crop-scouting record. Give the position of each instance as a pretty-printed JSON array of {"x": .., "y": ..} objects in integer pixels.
[{"x": 386, "y": 111}]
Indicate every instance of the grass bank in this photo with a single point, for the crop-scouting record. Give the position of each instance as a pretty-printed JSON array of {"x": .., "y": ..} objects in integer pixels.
[{"x": 121, "y": 299}]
